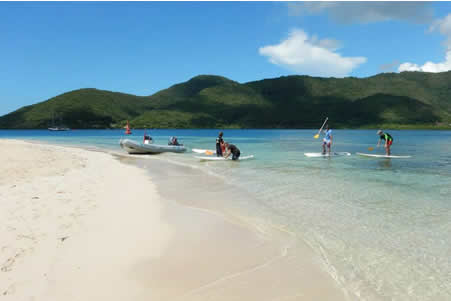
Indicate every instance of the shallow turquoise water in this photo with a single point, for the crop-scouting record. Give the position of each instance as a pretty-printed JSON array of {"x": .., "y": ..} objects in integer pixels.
[{"x": 381, "y": 225}]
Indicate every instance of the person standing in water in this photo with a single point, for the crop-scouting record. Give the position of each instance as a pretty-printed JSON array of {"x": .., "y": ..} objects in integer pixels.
[
  {"x": 388, "y": 141},
  {"x": 232, "y": 149},
  {"x": 219, "y": 145},
  {"x": 327, "y": 141}
]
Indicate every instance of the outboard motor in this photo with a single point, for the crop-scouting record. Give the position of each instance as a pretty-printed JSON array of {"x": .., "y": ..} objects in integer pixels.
[{"x": 147, "y": 139}]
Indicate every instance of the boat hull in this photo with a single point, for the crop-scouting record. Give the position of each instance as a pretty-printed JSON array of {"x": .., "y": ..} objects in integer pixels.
[
  {"x": 58, "y": 129},
  {"x": 133, "y": 147}
]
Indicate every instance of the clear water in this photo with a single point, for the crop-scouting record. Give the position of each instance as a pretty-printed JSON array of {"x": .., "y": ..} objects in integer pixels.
[{"x": 382, "y": 226}]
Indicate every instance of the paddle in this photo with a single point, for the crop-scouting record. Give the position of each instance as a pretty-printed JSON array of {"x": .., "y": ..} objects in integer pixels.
[
  {"x": 372, "y": 148},
  {"x": 317, "y": 135}
]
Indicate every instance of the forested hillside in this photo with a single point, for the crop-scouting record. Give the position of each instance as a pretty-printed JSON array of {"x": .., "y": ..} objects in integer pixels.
[{"x": 400, "y": 100}]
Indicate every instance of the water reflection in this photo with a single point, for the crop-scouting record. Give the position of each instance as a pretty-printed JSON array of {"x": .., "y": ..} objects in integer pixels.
[{"x": 385, "y": 163}]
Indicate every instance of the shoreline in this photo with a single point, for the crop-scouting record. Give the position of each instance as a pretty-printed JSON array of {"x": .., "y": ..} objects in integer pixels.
[
  {"x": 397, "y": 127},
  {"x": 208, "y": 192},
  {"x": 129, "y": 238}
]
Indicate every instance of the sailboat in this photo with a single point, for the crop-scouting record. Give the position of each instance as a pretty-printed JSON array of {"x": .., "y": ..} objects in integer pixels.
[
  {"x": 127, "y": 129},
  {"x": 57, "y": 127}
]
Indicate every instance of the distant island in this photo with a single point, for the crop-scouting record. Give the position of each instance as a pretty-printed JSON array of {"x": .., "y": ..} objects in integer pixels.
[{"x": 407, "y": 100}]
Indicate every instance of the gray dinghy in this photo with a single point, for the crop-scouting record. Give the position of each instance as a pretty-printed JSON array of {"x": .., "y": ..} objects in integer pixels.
[{"x": 133, "y": 147}]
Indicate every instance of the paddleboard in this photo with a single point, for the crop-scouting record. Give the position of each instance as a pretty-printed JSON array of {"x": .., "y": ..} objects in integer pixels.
[
  {"x": 223, "y": 159},
  {"x": 383, "y": 156},
  {"x": 333, "y": 154},
  {"x": 204, "y": 151}
]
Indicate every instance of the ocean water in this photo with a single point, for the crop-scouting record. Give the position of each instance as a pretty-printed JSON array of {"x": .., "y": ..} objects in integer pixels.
[{"x": 381, "y": 226}]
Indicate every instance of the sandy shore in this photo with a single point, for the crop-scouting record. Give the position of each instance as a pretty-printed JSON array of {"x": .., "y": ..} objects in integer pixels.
[{"x": 81, "y": 225}]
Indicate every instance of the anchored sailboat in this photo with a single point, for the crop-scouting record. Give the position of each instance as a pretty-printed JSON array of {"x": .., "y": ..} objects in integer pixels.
[{"x": 59, "y": 127}]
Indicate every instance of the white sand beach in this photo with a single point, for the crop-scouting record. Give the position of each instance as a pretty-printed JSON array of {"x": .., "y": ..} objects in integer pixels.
[{"x": 80, "y": 225}]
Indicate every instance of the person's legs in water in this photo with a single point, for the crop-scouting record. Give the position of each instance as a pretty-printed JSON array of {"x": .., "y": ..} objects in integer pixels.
[
  {"x": 328, "y": 146},
  {"x": 324, "y": 147},
  {"x": 218, "y": 150}
]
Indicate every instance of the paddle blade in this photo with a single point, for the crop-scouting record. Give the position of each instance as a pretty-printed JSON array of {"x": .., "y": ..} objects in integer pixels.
[
  {"x": 316, "y": 136},
  {"x": 370, "y": 148},
  {"x": 208, "y": 153}
]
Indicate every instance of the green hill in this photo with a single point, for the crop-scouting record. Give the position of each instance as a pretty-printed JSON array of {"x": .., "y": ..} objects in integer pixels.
[
  {"x": 84, "y": 108},
  {"x": 403, "y": 100}
]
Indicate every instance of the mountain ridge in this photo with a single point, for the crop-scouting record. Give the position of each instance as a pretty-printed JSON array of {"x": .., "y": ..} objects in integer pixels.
[{"x": 401, "y": 100}]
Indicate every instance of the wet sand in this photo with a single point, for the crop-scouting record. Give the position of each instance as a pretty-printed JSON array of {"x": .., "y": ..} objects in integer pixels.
[
  {"x": 82, "y": 225},
  {"x": 235, "y": 257}
]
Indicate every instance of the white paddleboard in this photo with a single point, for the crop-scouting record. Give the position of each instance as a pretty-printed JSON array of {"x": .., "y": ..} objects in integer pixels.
[
  {"x": 204, "y": 151},
  {"x": 383, "y": 156},
  {"x": 333, "y": 154},
  {"x": 241, "y": 158}
]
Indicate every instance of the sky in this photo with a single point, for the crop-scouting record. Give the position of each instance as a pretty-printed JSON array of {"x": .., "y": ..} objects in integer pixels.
[{"x": 49, "y": 48}]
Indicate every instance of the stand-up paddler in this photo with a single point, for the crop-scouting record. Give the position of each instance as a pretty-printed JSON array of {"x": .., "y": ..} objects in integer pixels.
[
  {"x": 327, "y": 141},
  {"x": 388, "y": 141}
]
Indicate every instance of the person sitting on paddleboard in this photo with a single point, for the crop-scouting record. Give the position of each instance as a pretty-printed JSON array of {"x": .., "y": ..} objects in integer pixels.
[
  {"x": 232, "y": 149},
  {"x": 219, "y": 145},
  {"x": 327, "y": 141},
  {"x": 388, "y": 141}
]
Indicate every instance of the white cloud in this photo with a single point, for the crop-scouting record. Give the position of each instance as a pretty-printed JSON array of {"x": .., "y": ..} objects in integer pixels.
[
  {"x": 444, "y": 27},
  {"x": 310, "y": 56},
  {"x": 428, "y": 66},
  {"x": 366, "y": 12}
]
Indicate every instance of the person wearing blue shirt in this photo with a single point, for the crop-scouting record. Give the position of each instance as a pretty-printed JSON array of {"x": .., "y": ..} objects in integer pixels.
[{"x": 327, "y": 141}]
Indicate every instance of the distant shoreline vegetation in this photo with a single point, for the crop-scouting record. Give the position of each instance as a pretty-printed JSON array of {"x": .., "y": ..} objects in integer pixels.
[{"x": 407, "y": 100}]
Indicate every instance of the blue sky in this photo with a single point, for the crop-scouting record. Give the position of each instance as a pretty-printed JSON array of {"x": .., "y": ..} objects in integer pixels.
[{"x": 48, "y": 48}]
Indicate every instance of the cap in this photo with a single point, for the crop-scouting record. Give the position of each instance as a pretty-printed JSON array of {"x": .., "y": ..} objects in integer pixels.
[{"x": 379, "y": 132}]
